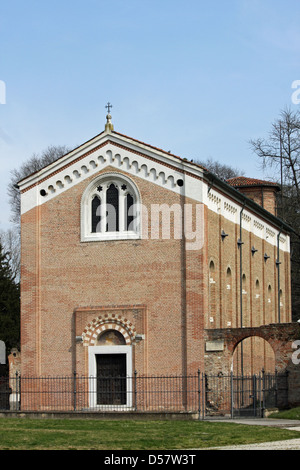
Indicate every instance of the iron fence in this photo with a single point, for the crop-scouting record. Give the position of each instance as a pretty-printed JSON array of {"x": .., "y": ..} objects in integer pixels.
[
  {"x": 201, "y": 394},
  {"x": 247, "y": 395}
]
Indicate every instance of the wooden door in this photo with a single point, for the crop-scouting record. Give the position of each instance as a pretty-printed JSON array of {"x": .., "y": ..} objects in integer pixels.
[{"x": 111, "y": 379}]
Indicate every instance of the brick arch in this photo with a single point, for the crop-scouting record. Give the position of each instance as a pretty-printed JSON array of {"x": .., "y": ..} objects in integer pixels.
[
  {"x": 279, "y": 336},
  {"x": 248, "y": 333},
  {"x": 259, "y": 353},
  {"x": 108, "y": 322}
]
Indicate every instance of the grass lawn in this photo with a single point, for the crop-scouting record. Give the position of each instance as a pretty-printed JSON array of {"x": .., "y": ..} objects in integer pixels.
[
  {"x": 87, "y": 434},
  {"x": 293, "y": 413}
]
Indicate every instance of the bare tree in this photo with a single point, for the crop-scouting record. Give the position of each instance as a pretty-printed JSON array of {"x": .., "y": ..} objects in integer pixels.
[
  {"x": 280, "y": 153},
  {"x": 33, "y": 164},
  {"x": 10, "y": 242},
  {"x": 10, "y": 239},
  {"x": 221, "y": 170}
]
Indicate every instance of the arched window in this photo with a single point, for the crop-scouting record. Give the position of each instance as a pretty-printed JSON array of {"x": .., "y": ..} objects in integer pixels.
[
  {"x": 270, "y": 311},
  {"x": 96, "y": 217},
  {"x": 129, "y": 214},
  {"x": 280, "y": 298},
  {"x": 212, "y": 301},
  {"x": 269, "y": 290},
  {"x": 244, "y": 283},
  {"x": 228, "y": 300},
  {"x": 110, "y": 209}
]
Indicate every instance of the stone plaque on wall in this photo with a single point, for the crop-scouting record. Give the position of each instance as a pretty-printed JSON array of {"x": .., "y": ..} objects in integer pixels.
[{"x": 214, "y": 346}]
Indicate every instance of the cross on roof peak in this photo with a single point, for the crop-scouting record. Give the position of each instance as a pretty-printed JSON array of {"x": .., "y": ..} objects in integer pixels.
[
  {"x": 108, "y": 106},
  {"x": 108, "y": 126}
]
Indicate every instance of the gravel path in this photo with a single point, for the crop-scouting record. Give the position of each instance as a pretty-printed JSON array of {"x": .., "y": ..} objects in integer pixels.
[{"x": 291, "y": 444}]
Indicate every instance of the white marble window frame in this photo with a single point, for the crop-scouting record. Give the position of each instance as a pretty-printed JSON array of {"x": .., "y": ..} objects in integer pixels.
[{"x": 105, "y": 181}]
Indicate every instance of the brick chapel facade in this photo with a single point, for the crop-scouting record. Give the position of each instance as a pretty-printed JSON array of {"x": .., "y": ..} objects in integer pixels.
[{"x": 130, "y": 253}]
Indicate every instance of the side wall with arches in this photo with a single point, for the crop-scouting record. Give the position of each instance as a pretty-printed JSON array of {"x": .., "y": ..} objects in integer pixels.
[{"x": 248, "y": 283}]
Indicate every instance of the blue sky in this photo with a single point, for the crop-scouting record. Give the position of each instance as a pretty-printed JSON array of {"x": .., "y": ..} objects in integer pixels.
[{"x": 195, "y": 77}]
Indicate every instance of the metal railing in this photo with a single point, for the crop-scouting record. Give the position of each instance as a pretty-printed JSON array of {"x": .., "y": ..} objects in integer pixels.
[
  {"x": 247, "y": 395},
  {"x": 201, "y": 394}
]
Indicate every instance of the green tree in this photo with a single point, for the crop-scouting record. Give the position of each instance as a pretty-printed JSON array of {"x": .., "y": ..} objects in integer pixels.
[{"x": 9, "y": 304}]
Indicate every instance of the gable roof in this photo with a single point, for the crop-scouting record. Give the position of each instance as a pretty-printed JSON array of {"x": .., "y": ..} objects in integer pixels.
[
  {"x": 172, "y": 163},
  {"x": 104, "y": 137},
  {"x": 244, "y": 182}
]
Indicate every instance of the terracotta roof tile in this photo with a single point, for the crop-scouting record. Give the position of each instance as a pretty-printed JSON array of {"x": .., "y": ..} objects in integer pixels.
[
  {"x": 160, "y": 150},
  {"x": 242, "y": 181}
]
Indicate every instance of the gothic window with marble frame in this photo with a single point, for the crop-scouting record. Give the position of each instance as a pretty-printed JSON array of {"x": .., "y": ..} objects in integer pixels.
[{"x": 110, "y": 209}]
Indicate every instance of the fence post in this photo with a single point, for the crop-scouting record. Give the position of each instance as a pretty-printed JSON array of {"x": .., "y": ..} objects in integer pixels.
[
  {"x": 203, "y": 395},
  {"x": 263, "y": 394},
  {"x": 254, "y": 394},
  {"x": 231, "y": 395},
  {"x": 199, "y": 395},
  {"x": 135, "y": 390},
  {"x": 276, "y": 388},
  {"x": 75, "y": 391},
  {"x": 18, "y": 392},
  {"x": 286, "y": 388},
  {"x": 259, "y": 383}
]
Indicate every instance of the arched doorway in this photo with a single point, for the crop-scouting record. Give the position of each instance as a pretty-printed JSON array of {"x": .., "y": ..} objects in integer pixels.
[
  {"x": 110, "y": 368},
  {"x": 252, "y": 355}
]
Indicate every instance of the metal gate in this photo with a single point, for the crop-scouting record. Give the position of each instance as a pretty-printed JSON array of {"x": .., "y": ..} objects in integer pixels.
[{"x": 247, "y": 395}]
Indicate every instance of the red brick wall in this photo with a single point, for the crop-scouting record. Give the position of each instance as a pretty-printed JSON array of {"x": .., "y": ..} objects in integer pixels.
[
  {"x": 260, "y": 305},
  {"x": 62, "y": 276},
  {"x": 263, "y": 196}
]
